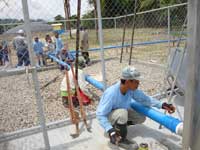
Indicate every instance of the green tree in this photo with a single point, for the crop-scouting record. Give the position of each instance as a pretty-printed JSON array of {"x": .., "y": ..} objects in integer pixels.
[{"x": 58, "y": 17}]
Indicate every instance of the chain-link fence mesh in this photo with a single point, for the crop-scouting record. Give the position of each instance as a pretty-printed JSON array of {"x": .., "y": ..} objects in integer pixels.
[{"x": 152, "y": 32}]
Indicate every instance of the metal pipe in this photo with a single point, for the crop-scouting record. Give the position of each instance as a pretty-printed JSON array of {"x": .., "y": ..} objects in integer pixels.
[
  {"x": 192, "y": 80},
  {"x": 169, "y": 23},
  {"x": 115, "y": 23},
  {"x": 157, "y": 9},
  {"x": 35, "y": 76},
  {"x": 101, "y": 41}
]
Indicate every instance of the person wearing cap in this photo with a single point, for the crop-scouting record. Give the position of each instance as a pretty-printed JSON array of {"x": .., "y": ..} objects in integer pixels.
[
  {"x": 114, "y": 112},
  {"x": 20, "y": 45},
  {"x": 66, "y": 56},
  {"x": 59, "y": 45},
  {"x": 83, "y": 88},
  {"x": 38, "y": 49}
]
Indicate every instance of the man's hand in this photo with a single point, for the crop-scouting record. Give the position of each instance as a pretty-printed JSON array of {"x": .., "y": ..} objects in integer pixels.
[
  {"x": 114, "y": 136},
  {"x": 168, "y": 107}
]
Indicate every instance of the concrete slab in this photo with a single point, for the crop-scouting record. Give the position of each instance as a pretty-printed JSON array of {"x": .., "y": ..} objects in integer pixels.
[{"x": 60, "y": 138}]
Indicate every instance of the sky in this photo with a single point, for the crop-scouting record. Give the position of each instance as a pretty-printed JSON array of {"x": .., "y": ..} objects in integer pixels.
[{"x": 40, "y": 9}]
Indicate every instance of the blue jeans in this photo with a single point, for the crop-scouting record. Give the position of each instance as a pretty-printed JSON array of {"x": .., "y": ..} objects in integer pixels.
[{"x": 23, "y": 57}]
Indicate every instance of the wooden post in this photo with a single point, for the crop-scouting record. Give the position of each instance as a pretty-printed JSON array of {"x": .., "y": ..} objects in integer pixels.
[
  {"x": 67, "y": 15},
  {"x": 96, "y": 21},
  {"x": 123, "y": 37},
  {"x": 77, "y": 36},
  {"x": 133, "y": 31}
]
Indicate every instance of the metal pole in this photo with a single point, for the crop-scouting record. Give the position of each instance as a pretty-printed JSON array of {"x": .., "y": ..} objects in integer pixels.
[
  {"x": 35, "y": 76},
  {"x": 192, "y": 74},
  {"x": 168, "y": 14},
  {"x": 101, "y": 41},
  {"x": 115, "y": 24},
  {"x": 65, "y": 26}
]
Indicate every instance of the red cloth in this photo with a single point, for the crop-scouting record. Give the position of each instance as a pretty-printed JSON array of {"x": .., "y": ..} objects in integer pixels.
[{"x": 85, "y": 98}]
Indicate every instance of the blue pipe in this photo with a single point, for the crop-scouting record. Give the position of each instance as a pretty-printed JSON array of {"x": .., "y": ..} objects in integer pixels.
[
  {"x": 73, "y": 52},
  {"x": 135, "y": 44},
  {"x": 169, "y": 122},
  {"x": 88, "y": 78},
  {"x": 94, "y": 82},
  {"x": 59, "y": 61},
  {"x": 165, "y": 120}
]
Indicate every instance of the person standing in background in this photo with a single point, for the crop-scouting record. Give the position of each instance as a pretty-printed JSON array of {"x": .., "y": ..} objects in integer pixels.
[
  {"x": 85, "y": 45},
  {"x": 20, "y": 45},
  {"x": 59, "y": 45},
  {"x": 38, "y": 49}
]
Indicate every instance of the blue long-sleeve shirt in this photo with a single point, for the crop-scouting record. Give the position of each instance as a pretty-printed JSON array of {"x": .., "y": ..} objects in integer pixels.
[
  {"x": 38, "y": 47},
  {"x": 113, "y": 99},
  {"x": 59, "y": 45},
  {"x": 67, "y": 56}
]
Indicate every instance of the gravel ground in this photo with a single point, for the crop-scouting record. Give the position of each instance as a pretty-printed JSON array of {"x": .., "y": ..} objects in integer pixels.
[{"x": 18, "y": 104}]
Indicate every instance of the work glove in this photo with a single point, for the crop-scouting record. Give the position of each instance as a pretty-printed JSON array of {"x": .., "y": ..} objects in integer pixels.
[
  {"x": 114, "y": 136},
  {"x": 168, "y": 107}
]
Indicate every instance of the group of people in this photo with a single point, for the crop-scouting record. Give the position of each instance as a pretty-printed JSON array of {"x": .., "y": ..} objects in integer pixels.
[
  {"x": 41, "y": 49},
  {"x": 67, "y": 57}
]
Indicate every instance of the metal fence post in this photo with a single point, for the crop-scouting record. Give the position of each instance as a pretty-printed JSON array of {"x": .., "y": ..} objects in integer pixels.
[
  {"x": 65, "y": 28},
  {"x": 101, "y": 42},
  {"x": 115, "y": 22},
  {"x": 34, "y": 75},
  {"x": 169, "y": 23}
]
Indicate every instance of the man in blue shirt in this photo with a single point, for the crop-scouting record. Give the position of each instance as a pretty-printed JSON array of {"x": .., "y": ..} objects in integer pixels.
[
  {"x": 59, "y": 45},
  {"x": 114, "y": 112},
  {"x": 66, "y": 56},
  {"x": 38, "y": 49}
]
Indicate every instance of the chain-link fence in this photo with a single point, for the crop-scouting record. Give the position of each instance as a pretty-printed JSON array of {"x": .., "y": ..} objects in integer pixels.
[
  {"x": 156, "y": 30},
  {"x": 158, "y": 24}
]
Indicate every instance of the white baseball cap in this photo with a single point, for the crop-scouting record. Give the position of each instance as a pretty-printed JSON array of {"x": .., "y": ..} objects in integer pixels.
[
  {"x": 20, "y": 31},
  {"x": 130, "y": 73}
]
